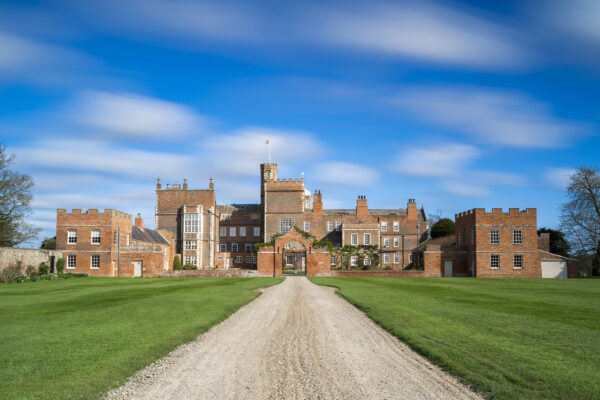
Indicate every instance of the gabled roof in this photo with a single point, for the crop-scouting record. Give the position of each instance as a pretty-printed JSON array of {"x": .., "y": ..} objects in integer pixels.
[
  {"x": 449, "y": 240},
  {"x": 147, "y": 235}
]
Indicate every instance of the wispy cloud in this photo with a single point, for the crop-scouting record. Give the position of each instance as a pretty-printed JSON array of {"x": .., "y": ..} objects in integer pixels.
[
  {"x": 344, "y": 173},
  {"x": 558, "y": 178},
  {"x": 464, "y": 189},
  {"x": 491, "y": 116},
  {"x": 578, "y": 18},
  {"x": 435, "y": 161}
]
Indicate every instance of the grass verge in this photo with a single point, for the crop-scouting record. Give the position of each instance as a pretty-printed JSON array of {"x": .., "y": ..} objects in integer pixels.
[
  {"x": 508, "y": 338},
  {"x": 74, "y": 339}
]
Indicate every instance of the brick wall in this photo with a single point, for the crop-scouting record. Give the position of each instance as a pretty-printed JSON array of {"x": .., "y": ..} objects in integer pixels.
[{"x": 374, "y": 273}]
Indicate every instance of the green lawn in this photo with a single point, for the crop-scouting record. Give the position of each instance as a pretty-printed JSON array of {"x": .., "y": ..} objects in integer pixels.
[
  {"x": 509, "y": 338},
  {"x": 73, "y": 339}
]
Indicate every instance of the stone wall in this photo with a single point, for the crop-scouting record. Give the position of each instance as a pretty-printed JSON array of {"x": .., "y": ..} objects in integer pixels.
[
  {"x": 10, "y": 256},
  {"x": 212, "y": 273}
]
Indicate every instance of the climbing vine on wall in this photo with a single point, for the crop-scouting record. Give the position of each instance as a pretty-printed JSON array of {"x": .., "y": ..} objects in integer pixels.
[{"x": 361, "y": 252}]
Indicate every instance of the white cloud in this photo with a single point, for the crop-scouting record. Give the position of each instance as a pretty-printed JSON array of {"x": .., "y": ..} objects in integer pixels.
[
  {"x": 491, "y": 116},
  {"x": 423, "y": 31},
  {"x": 337, "y": 172},
  {"x": 136, "y": 116},
  {"x": 435, "y": 161},
  {"x": 578, "y": 18},
  {"x": 558, "y": 178},
  {"x": 459, "y": 188},
  {"x": 494, "y": 178}
]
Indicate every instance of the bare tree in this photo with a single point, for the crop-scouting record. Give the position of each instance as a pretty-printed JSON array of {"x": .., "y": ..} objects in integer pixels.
[
  {"x": 15, "y": 197},
  {"x": 580, "y": 216}
]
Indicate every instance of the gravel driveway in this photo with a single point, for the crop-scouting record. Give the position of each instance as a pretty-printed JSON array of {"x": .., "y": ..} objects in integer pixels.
[{"x": 296, "y": 341}]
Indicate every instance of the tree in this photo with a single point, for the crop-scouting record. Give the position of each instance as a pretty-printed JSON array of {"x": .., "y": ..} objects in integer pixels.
[
  {"x": 177, "y": 263},
  {"x": 580, "y": 216},
  {"x": 15, "y": 197},
  {"x": 443, "y": 227},
  {"x": 558, "y": 242},
  {"x": 49, "y": 243}
]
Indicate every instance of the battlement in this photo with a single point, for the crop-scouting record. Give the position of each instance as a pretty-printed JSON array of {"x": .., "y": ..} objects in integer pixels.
[
  {"x": 498, "y": 211},
  {"x": 285, "y": 184},
  {"x": 93, "y": 211}
]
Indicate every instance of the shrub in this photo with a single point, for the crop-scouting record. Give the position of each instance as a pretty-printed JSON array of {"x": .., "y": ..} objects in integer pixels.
[
  {"x": 21, "y": 278},
  {"x": 9, "y": 274},
  {"x": 177, "y": 266},
  {"x": 443, "y": 227},
  {"x": 60, "y": 265},
  {"x": 43, "y": 268},
  {"x": 80, "y": 275},
  {"x": 189, "y": 267},
  {"x": 31, "y": 271}
]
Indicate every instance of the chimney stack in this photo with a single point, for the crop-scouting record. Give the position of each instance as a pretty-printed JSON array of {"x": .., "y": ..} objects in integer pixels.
[
  {"x": 185, "y": 185},
  {"x": 211, "y": 184},
  {"x": 411, "y": 210},
  {"x": 361, "y": 206},
  {"x": 317, "y": 203},
  {"x": 158, "y": 185},
  {"x": 139, "y": 221}
]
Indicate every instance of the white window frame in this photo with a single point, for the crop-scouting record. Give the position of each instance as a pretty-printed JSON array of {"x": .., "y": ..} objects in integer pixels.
[
  {"x": 367, "y": 261},
  {"x": 338, "y": 225},
  {"x": 248, "y": 247},
  {"x": 396, "y": 258},
  {"x": 354, "y": 239},
  {"x": 396, "y": 242},
  {"x": 333, "y": 260},
  {"x": 239, "y": 259},
  {"x": 386, "y": 242},
  {"x": 190, "y": 260},
  {"x": 95, "y": 237},
  {"x": 222, "y": 231},
  {"x": 518, "y": 261},
  {"x": 232, "y": 231},
  {"x": 72, "y": 236},
  {"x": 234, "y": 247},
  {"x": 330, "y": 226},
  {"x": 71, "y": 265},
  {"x": 257, "y": 231},
  {"x": 307, "y": 226},
  {"x": 191, "y": 245},
  {"x": 247, "y": 259},
  {"x": 410, "y": 258},
  {"x": 288, "y": 258},
  {"x": 191, "y": 223},
  {"x": 494, "y": 236},
  {"x": 92, "y": 258},
  {"x": 396, "y": 226},
  {"x": 367, "y": 239},
  {"x": 494, "y": 261},
  {"x": 386, "y": 258},
  {"x": 285, "y": 225},
  {"x": 225, "y": 217},
  {"x": 242, "y": 231},
  {"x": 353, "y": 261},
  {"x": 254, "y": 258},
  {"x": 223, "y": 247},
  {"x": 517, "y": 236},
  {"x": 383, "y": 226}
]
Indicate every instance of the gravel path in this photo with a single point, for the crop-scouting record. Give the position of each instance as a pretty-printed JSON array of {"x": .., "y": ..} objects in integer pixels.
[{"x": 296, "y": 341}]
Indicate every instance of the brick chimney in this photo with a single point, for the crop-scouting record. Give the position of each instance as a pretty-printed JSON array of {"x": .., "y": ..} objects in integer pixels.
[
  {"x": 211, "y": 184},
  {"x": 317, "y": 203},
  {"x": 185, "y": 185},
  {"x": 139, "y": 221},
  {"x": 158, "y": 185},
  {"x": 544, "y": 242},
  {"x": 411, "y": 210},
  {"x": 361, "y": 206}
]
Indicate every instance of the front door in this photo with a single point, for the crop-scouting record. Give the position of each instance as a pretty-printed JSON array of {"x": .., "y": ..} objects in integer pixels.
[
  {"x": 448, "y": 268},
  {"x": 137, "y": 268}
]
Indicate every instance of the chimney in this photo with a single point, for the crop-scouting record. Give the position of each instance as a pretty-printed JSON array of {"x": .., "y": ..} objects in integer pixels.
[
  {"x": 185, "y": 185},
  {"x": 544, "y": 241},
  {"x": 411, "y": 210},
  {"x": 211, "y": 184},
  {"x": 139, "y": 221},
  {"x": 361, "y": 206},
  {"x": 158, "y": 185},
  {"x": 317, "y": 203}
]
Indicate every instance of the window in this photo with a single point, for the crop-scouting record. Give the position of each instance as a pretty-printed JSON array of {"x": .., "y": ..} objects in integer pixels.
[
  {"x": 190, "y": 223},
  {"x": 396, "y": 258},
  {"x": 223, "y": 247},
  {"x": 234, "y": 247},
  {"x": 494, "y": 236},
  {"x": 386, "y": 258},
  {"x": 396, "y": 226},
  {"x": 239, "y": 259},
  {"x": 367, "y": 239},
  {"x": 307, "y": 226},
  {"x": 71, "y": 262},
  {"x": 288, "y": 245},
  {"x": 517, "y": 237},
  {"x": 189, "y": 260},
  {"x": 354, "y": 239},
  {"x": 72, "y": 237},
  {"x": 247, "y": 259},
  {"x": 386, "y": 242},
  {"x": 254, "y": 217},
  {"x": 95, "y": 236},
  {"x": 338, "y": 225},
  {"x": 115, "y": 237},
  {"x": 232, "y": 231},
  {"x": 223, "y": 231},
  {"x": 289, "y": 260},
  {"x": 95, "y": 262},
  {"x": 473, "y": 237},
  {"x": 367, "y": 261},
  {"x": 353, "y": 261},
  {"x": 248, "y": 247},
  {"x": 127, "y": 239},
  {"x": 225, "y": 217},
  {"x": 191, "y": 245},
  {"x": 518, "y": 261},
  {"x": 256, "y": 231},
  {"x": 410, "y": 258},
  {"x": 329, "y": 226},
  {"x": 384, "y": 226},
  {"x": 285, "y": 224},
  {"x": 242, "y": 231},
  {"x": 253, "y": 259},
  {"x": 494, "y": 261},
  {"x": 333, "y": 262},
  {"x": 396, "y": 242}
]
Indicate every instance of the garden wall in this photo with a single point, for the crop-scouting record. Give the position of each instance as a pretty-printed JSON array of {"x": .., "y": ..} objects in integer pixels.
[
  {"x": 211, "y": 273},
  {"x": 10, "y": 256},
  {"x": 373, "y": 273}
]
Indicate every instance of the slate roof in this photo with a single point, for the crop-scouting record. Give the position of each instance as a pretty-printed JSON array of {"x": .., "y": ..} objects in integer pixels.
[
  {"x": 147, "y": 235},
  {"x": 236, "y": 207},
  {"x": 375, "y": 211}
]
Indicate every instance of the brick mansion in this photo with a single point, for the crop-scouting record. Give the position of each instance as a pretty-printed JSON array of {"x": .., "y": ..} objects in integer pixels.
[{"x": 290, "y": 229}]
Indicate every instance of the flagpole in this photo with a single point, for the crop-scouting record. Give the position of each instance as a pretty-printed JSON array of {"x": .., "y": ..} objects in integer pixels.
[{"x": 269, "y": 149}]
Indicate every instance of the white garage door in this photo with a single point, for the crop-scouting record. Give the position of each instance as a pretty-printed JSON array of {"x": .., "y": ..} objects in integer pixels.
[{"x": 554, "y": 269}]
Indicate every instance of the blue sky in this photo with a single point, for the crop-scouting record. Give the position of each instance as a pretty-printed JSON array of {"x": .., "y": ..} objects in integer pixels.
[{"x": 456, "y": 104}]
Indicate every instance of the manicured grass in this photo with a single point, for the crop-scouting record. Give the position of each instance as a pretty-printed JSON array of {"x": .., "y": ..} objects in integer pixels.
[
  {"x": 509, "y": 338},
  {"x": 74, "y": 339}
]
